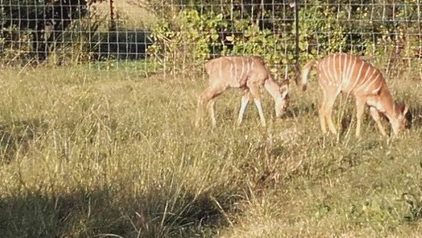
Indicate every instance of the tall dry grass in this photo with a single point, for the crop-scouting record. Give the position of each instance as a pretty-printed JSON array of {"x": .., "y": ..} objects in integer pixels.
[{"x": 87, "y": 153}]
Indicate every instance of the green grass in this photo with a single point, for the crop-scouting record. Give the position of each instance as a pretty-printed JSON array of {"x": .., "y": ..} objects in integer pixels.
[{"x": 97, "y": 153}]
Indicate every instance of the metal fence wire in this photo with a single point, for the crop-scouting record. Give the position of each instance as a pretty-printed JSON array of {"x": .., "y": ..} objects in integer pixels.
[{"x": 173, "y": 36}]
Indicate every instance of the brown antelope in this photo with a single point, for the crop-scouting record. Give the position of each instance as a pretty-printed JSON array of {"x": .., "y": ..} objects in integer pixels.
[
  {"x": 248, "y": 73},
  {"x": 344, "y": 73}
]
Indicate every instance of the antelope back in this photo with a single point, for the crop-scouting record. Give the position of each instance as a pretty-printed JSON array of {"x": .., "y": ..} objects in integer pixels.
[
  {"x": 350, "y": 74},
  {"x": 235, "y": 70}
]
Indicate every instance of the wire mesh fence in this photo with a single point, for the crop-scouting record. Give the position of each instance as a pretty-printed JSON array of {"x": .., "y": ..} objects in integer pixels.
[{"x": 177, "y": 36}]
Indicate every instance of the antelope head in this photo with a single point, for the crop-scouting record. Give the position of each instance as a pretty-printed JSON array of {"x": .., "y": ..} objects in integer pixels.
[
  {"x": 399, "y": 122},
  {"x": 282, "y": 102}
]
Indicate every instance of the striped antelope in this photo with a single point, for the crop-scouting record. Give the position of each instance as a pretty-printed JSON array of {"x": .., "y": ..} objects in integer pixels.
[
  {"x": 343, "y": 73},
  {"x": 248, "y": 73}
]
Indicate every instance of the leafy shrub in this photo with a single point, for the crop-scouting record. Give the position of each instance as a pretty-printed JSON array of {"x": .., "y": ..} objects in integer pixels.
[
  {"x": 32, "y": 29},
  {"x": 320, "y": 31},
  {"x": 190, "y": 38},
  {"x": 187, "y": 36}
]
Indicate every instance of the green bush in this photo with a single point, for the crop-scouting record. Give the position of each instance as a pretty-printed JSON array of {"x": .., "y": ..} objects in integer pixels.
[
  {"x": 198, "y": 32},
  {"x": 188, "y": 40},
  {"x": 320, "y": 31},
  {"x": 191, "y": 37},
  {"x": 32, "y": 29}
]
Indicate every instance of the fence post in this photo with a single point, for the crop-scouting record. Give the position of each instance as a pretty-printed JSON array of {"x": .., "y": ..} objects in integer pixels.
[
  {"x": 296, "y": 9},
  {"x": 112, "y": 19}
]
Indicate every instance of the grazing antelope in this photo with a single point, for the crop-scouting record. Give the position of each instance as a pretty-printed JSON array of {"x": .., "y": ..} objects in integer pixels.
[
  {"x": 344, "y": 73},
  {"x": 248, "y": 73}
]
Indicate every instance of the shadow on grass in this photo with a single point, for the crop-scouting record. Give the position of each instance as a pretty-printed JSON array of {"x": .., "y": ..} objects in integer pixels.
[
  {"x": 299, "y": 110},
  {"x": 86, "y": 213},
  {"x": 128, "y": 44},
  {"x": 16, "y": 136}
]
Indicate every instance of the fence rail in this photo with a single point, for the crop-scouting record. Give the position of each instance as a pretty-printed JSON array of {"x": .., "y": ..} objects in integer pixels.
[{"x": 185, "y": 33}]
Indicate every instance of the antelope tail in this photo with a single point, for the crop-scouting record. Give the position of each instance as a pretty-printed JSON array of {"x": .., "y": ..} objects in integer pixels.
[
  {"x": 305, "y": 73},
  {"x": 208, "y": 66}
]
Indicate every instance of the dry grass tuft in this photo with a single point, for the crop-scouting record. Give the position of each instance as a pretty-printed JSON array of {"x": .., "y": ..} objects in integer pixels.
[{"x": 87, "y": 153}]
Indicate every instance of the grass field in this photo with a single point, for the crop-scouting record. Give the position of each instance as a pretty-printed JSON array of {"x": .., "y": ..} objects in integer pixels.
[{"x": 90, "y": 153}]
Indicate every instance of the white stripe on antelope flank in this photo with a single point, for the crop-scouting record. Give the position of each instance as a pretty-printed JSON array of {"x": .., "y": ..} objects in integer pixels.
[
  {"x": 369, "y": 89},
  {"x": 223, "y": 74}
]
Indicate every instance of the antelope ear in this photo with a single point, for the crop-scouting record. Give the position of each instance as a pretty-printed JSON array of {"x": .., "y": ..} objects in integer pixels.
[{"x": 405, "y": 109}]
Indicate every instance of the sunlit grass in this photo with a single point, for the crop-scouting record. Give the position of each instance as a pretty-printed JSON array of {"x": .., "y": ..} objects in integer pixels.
[{"x": 88, "y": 152}]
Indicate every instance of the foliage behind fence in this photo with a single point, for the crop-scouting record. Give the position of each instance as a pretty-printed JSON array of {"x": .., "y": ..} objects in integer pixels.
[{"x": 186, "y": 33}]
